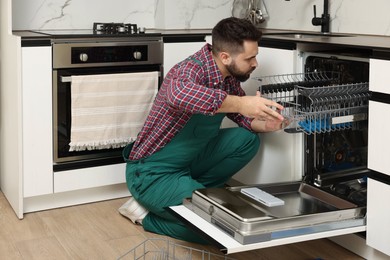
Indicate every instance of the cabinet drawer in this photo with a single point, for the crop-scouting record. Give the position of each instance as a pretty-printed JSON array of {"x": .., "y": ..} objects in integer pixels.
[
  {"x": 378, "y": 137},
  {"x": 380, "y": 76},
  {"x": 89, "y": 177},
  {"x": 378, "y": 216}
]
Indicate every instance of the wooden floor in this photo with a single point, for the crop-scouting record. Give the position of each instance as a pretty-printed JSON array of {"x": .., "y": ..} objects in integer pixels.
[{"x": 98, "y": 231}]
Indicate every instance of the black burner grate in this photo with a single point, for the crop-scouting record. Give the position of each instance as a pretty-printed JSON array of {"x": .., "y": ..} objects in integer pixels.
[{"x": 116, "y": 28}]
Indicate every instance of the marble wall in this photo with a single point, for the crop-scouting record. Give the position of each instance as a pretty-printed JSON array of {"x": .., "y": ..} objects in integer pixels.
[
  {"x": 159, "y": 14},
  {"x": 347, "y": 16}
]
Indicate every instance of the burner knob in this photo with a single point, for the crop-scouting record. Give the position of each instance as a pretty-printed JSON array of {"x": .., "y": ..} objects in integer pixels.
[
  {"x": 137, "y": 55},
  {"x": 83, "y": 57}
]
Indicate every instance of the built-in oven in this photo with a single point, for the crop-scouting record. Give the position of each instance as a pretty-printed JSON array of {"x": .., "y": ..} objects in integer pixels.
[
  {"x": 103, "y": 56},
  {"x": 327, "y": 104}
]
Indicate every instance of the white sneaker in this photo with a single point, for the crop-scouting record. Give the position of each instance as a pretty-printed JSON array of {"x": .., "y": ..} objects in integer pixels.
[{"x": 134, "y": 211}]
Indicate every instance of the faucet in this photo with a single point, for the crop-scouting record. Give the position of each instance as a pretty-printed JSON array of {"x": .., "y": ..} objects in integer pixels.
[{"x": 324, "y": 20}]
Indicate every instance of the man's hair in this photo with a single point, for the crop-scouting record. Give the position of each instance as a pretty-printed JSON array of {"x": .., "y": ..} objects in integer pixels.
[{"x": 230, "y": 33}]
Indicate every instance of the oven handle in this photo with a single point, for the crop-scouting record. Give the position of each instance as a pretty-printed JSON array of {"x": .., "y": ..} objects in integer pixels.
[{"x": 68, "y": 79}]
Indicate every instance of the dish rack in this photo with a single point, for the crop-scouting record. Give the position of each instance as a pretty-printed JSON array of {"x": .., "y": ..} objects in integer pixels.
[
  {"x": 315, "y": 102},
  {"x": 164, "y": 249}
]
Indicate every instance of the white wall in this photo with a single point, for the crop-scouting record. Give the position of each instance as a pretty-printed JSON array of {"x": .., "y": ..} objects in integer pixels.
[
  {"x": 347, "y": 16},
  {"x": 159, "y": 14}
]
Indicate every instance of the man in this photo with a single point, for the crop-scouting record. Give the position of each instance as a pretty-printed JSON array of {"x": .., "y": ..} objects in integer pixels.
[{"x": 181, "y": 146}]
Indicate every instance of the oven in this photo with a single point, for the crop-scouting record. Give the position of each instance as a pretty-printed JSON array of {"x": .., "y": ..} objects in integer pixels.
[
  {"x": 92, "y": 57},
  {"x": 327, "y": 105}
]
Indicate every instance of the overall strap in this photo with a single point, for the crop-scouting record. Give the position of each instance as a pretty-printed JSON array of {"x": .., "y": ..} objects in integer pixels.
[{"x": 196, "y": 60}]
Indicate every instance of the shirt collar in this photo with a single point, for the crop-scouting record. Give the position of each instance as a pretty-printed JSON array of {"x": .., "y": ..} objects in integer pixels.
[{"x": 214, "y": 72}]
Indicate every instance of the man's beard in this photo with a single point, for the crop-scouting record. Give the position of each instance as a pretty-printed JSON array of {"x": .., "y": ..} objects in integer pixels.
[{"x": 239, "y": 75}]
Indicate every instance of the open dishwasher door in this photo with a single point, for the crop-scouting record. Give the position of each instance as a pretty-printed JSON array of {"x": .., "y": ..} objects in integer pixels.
[{"x": 236, "y": 222}]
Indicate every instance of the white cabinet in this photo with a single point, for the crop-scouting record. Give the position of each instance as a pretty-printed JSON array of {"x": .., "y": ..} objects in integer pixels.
[
  {"x": 276, "y": 147},
  {"x": 378, "y": 137},
  {"x": 177, "y": 51},
  {"x": 10, "y": 110},
  {"x": 378, "y": 216},
  {"x": 37, "y": 121},
  {"x": 380, "y": 76},
  {"x": 379, "y": 125},
  {"x": 27, "y": 177},
  {"x": 378, "y": 210}
]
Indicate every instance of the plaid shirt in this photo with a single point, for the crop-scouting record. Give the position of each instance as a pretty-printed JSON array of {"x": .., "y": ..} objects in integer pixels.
[{"x": 193, "y": 86}]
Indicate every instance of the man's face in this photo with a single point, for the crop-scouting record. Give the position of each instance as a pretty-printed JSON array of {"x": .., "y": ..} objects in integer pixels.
[{"x": 244, "y": 63}]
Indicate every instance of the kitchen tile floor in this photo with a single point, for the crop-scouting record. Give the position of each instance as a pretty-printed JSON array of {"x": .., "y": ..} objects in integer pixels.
[{"x": 98, "y": 231}]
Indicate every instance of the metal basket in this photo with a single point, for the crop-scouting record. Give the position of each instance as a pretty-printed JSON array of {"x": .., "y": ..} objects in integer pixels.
[
  {"x": 316, "y": 103},
  {"x": 164, "y": 249}
]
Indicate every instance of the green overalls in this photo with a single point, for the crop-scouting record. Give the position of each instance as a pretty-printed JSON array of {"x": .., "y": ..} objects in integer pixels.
[{"x": 200, "y": 155}]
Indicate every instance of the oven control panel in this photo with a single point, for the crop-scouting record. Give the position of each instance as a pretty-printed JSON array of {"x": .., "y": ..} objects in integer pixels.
[{"x": 109, "y": 54}]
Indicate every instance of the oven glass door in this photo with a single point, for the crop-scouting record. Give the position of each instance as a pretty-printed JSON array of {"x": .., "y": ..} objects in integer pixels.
[{"x": 63, "y": 158}]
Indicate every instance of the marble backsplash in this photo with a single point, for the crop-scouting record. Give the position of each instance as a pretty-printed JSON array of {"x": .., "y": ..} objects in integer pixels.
[
  {"x": 347, "y": 16},
  {"x": 159, "y": 14}
]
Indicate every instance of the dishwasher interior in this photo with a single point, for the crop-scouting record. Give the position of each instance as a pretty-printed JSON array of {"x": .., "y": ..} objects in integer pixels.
[{"x": 328, "y": 102}]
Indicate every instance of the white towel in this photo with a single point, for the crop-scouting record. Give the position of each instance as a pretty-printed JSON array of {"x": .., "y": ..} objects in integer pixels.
[{"x": 108, "y": 110}]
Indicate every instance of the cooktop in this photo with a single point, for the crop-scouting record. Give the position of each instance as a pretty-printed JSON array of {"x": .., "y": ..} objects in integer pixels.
[
  {"x": 91, "y": 33},
  {"x": 102, "y": 30}
]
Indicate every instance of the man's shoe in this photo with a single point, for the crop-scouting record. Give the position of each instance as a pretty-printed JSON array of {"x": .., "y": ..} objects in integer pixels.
[{"x": 134, "y": 211}]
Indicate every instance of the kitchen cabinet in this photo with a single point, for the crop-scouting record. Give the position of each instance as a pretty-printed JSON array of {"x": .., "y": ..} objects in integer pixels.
[
  {"x": 273, "y": 162},
  {"x": 42, "y": 188},
  {"x": 378, "y": 211},
  {"x": 378, "y": 216},
  {"x": 37, "y": 121},
  {"x": 379, "y": 126},
  {"x": 176, "y": 51},
  {"x": 27, "y": 178},
  {"x": 10, "y": 111}
]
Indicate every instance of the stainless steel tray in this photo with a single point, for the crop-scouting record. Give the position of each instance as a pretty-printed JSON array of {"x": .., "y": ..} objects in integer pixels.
[{"x": 307, "y": 209}]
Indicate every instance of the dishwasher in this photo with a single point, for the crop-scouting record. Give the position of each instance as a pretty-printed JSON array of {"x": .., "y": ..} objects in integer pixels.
[{"x": 328, "y": 104}]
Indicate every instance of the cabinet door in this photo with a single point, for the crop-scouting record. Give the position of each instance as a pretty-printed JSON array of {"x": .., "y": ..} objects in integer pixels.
[
  {"x": 279, "y": 158},
  {"x": 380, "y": 76},
  {"x": 37, "y": 121},
  {"x": 378, "y": 216},
  {"x": 378, "y": 211},
  {"x": 378, "y": 137}
]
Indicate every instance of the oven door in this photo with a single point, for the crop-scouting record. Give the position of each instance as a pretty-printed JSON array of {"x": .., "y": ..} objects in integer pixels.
[
  {"x": 64, "y": 159},
  {"x": 235, "y": 222}
]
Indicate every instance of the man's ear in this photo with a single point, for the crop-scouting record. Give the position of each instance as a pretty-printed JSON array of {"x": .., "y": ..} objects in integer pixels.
[{"x": 225, "y": 58}]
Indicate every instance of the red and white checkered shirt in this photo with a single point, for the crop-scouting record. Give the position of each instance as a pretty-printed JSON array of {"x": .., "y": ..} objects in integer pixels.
[{"x": 193, "y": 86}]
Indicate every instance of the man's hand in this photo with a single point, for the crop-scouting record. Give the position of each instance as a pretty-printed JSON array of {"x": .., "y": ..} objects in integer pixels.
[{"x": 252, "y": 107}]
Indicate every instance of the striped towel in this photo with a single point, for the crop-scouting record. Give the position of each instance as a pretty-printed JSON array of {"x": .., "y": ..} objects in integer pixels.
[{"x": 108, "y": 110}]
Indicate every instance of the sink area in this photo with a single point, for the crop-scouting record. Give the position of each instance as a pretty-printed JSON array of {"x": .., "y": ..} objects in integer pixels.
[
  {"x": 312, "y": 35},
  {"x": 304, "y": 35}
]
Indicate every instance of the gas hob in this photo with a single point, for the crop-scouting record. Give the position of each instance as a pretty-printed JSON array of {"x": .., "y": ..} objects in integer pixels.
[{"x": 116, "y": 30}]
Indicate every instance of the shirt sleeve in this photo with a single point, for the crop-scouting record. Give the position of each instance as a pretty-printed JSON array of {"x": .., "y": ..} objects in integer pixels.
[
  {"x": 234, "y": 88},
  {"x": 241, "y": 120},
  {"x": 187, "y": 90}
]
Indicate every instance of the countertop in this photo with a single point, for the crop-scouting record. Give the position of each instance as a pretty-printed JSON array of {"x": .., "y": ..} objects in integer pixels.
[
  {"x": 351, "y": 40},
  {"x": 270, "y": 36}
]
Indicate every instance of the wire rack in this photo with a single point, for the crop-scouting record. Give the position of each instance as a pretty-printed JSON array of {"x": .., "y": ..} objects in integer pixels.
[
  {"x": 316, "y": 102},
  {"x": 164, "y": 249}
]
